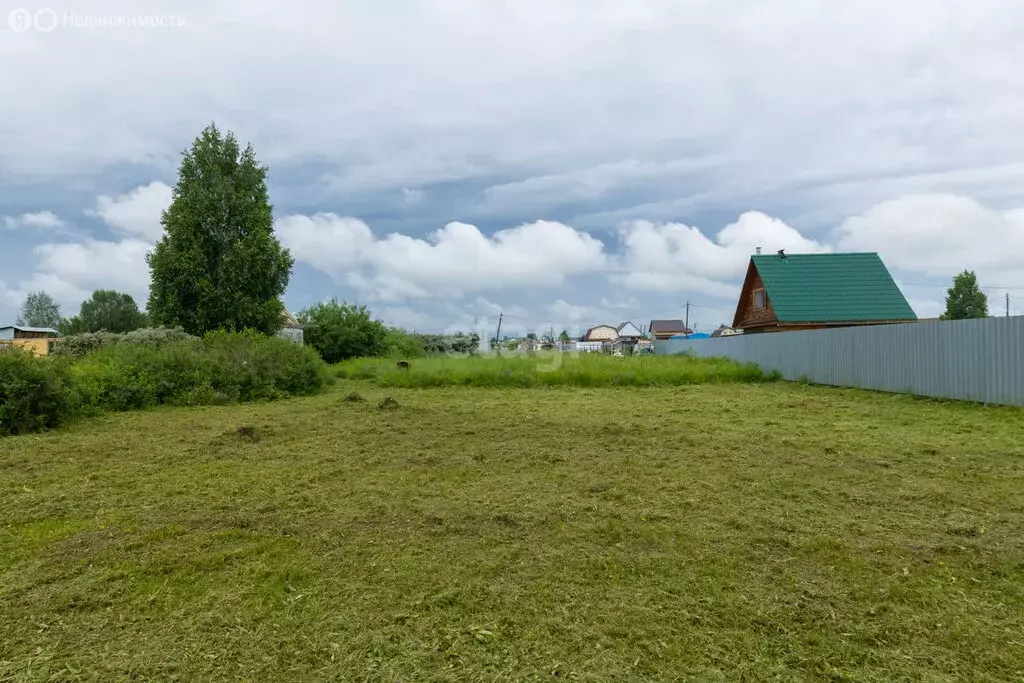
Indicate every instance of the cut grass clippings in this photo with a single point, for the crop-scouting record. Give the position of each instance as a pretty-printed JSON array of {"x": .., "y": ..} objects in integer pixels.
[{"x": 707, "y": 533}]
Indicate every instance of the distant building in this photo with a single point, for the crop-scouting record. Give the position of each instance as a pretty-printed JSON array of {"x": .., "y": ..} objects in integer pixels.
[
  {"x": 663, "y": 329},
  {"x": 627, "y": 331},
  {"x": 601, "y": 333},
  {"x": 810, "y": 291},
  {"x": 292, "y": 330},
  {"x": 22, "y": 332},
  {"x": 37, "y": 340}
]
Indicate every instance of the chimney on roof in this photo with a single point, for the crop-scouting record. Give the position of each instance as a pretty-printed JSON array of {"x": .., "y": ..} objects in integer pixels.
[{"x": 757, "y": 250}]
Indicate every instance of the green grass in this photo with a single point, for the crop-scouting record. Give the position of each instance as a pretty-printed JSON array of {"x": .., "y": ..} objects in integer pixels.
[
  {"x": 551, "y": 369},
  {"x": 709, "y": 533}
]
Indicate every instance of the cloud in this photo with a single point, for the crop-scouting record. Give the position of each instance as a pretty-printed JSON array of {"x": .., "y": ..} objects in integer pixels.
[
  {"x": 940, "y": 235},
  {"x": 673, "y": 257},
  {"x": 137, "y": 213},
  {"x": 70, "y": 270},
  {"x": 41, "y": 220},
  {"x": 613, "y": 104},
  {"x": 451, "y": 261}
]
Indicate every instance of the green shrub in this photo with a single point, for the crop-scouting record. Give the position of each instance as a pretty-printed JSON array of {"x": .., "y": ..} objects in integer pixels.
[
  {"x": 220, "y": 368},
  {"x": 400, "y": 344},
  {"x": 35, "y": 393},
  {"x": 339, "y": 331},
  {"x": 78, "y": 345}
]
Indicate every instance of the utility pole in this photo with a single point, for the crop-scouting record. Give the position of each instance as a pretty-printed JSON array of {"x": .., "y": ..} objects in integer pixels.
[
  {"x": 497, "y": 337},
  {"x": 687, "y": 324}
]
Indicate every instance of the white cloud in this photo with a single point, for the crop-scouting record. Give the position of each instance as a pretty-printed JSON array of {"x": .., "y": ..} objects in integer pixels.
[
  {"x": 137, "y": 213},
  {"x": 70, "y": 271},
  {"x": 673, "y": 257},
  {"x": 608, "y": 95},
  {"x": 41, "y": 220},
  {"x": 940, "y": 235},
  {"x": 454, "y": 260}
]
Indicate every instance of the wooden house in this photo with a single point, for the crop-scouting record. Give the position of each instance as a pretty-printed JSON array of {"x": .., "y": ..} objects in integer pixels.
[
  {"x": 666, "y": 329},
  {"x": 811, "y": 291},
  {"x": 601, "y": 333}
]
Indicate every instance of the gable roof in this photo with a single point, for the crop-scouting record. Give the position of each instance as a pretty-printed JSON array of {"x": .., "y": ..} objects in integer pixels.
[
  {"x": 634, "y": 332},
  {"x": 668, "y": 327},
  {"x": 831, "y": 288}
]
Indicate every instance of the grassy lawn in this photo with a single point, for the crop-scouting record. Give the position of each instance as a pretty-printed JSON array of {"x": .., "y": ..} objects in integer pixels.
[
  {"x": 551, "y": 369},
  {"x": 705, "y": 532}
]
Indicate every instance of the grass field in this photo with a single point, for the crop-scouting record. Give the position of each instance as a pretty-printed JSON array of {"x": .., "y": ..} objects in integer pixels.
[
  {"x": 551, "y": 369},
  {"x": 707, "y": 532}
]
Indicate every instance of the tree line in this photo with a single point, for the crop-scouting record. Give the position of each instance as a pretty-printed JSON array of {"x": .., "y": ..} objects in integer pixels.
[{"x": 219, "y": 266}]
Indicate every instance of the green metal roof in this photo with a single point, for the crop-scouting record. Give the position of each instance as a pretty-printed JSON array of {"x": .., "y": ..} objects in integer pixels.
[{"x": 831, "y": 288}]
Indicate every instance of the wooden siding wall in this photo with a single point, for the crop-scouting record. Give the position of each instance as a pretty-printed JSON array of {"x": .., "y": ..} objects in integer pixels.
[
  {"x": 746, "y": 314},
  {"x": 38, "y": 347}
]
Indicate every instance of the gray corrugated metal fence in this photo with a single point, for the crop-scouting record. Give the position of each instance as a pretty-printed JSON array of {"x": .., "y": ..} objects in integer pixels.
[{"x": 974, "y": 360}]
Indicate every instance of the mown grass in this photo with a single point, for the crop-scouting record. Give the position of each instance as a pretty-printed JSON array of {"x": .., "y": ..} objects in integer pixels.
[
  {"x": 551, "y": 369},
  {"x": 705, "y": 533}
]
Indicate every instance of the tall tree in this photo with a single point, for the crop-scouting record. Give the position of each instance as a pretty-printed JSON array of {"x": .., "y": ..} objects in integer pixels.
[
  {"x": 39, "y": 310},
  {"x": 965, "y": 299},
  {"x": 219, "y": 264},
  {"x": 564, "y": 337},
  {"x": 107, "y": 310}
]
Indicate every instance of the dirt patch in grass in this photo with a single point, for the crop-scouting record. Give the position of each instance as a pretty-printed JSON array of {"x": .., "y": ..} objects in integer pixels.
[{"x": 388, "y": 403}]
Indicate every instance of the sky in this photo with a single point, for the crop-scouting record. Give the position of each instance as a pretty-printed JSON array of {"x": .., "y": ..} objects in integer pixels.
[{"x": 564, "y": 164}]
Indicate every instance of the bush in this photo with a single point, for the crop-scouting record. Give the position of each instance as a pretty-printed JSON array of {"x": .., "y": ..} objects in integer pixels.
[
  {"x": 220, "y": 368},
  {"x": 35, "y": 393},
  {"x": 339, "y": 331},
  {"x": 400, "y": 344},
  {"x": 78, "y": 345}
]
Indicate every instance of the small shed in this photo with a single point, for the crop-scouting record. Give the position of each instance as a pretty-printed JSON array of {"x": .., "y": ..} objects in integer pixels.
[
  {"x": 23, "y": 332},
  {"x": 36, "y": 340}
]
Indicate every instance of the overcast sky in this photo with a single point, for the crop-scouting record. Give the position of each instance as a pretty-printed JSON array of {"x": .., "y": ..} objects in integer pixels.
[{"x": 568, "y": 162}]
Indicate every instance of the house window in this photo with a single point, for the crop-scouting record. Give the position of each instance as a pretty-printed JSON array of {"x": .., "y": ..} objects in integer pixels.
[{"x": 759, "y": 299}]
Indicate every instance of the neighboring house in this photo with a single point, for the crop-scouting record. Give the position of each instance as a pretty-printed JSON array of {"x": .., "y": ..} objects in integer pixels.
[
  {"x": 664, "y": 329},
  {"x": 629, "y": 332},
  {"x": 37, "y": 340},
  {"x": 628, "y": 336},
  {"x": 601, "y": 333},
  {"x": 811, "y": 291},
  {"x": 292, "y": 330}
]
